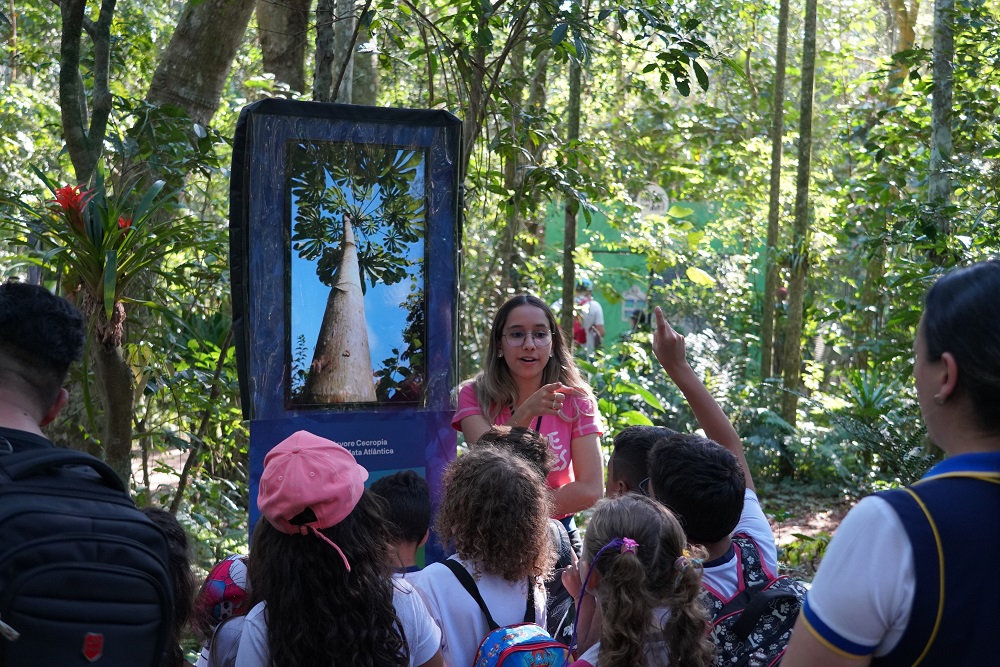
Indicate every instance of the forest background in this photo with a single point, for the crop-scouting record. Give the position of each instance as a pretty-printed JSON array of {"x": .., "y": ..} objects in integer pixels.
[{"x": 849, "y": 151}]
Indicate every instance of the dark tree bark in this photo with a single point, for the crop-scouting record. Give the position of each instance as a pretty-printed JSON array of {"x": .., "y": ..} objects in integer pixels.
[
  {"x": 193, "y": 70},
  {"x": 774, "y": 200},
  {"x": 282, "y": 30},
  {"x": 84, "y": 130},
  {"x": 792, "y": 361},
  {"x": 572, "y": 205}
]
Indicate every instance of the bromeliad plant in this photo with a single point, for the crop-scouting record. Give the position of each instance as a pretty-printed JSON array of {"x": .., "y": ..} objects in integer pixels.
[{"x": 106, "y": 240}]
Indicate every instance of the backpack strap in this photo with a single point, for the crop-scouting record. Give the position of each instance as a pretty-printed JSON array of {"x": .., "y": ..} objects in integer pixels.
[
  {"x": 759, "y": 602},
  {"x": 469, "y": 584},
  {"x": 27, "y": 464}
]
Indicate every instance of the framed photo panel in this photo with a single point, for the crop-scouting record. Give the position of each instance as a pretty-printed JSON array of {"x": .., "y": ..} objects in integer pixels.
[{"x": 344, "y": 223}]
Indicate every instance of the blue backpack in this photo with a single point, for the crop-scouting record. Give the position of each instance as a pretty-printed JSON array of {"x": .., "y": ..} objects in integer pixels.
[{"x": 520, "y": 645}]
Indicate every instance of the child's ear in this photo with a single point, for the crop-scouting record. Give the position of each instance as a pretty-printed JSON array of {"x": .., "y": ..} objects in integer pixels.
[{"x": 427, "y": 533}]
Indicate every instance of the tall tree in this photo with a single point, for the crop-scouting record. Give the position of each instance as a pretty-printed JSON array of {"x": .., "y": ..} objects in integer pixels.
[
  {"x": 282, "y": 30},
  {"x": 939, "y": 178},
  {"x": 774, "y": 198},
  {"x": 572, "y": 204},
  {"x": 792, "y": 354}
]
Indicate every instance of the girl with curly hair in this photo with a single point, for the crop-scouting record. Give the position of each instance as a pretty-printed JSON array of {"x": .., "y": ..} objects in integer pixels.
[
  {"x": 495, "y": 513},
  {"x": 530, "y": 379},
  {"x": 321, "y": 570},
  {"x": 647, "y": 587}
]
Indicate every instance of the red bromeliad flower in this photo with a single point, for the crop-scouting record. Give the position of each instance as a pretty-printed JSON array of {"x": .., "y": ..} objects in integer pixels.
[
  {"x": 72, "y": 202},
  {"x": 124, "y": 223}
]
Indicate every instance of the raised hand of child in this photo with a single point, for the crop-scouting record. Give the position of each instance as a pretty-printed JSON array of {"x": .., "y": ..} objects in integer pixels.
[{"x": 668, "y": 345}]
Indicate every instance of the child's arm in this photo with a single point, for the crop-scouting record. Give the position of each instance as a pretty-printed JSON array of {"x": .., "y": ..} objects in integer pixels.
[{"x": 668, "y": 346}]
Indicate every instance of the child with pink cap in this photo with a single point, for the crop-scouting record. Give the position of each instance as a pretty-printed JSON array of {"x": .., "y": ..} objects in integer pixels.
[{"x": 321, "y": 570}]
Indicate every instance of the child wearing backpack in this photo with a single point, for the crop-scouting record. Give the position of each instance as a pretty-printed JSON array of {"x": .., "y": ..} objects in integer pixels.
[
  {"x": 320, "y": 566},
  {"x": 706, "y": 482},
  {"x": 635, "y": 565},
  {"x": 495, "y": 513}
]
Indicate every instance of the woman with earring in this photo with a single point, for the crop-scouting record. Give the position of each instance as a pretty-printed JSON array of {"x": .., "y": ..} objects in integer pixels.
[
  {"x": 906, "y": 578},
  {"x": 530, "y": 379}
]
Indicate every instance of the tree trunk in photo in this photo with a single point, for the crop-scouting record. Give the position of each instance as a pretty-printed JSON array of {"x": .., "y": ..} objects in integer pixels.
[
  {"x": 774, "y": 200},
  {"x": 282, "y": 29},
  {"x": 193, "y": 70},
  {"x": 572, "y": 206},
  {"x": 792, "y": 353},
  {"x": 341, "y": 370},
  {"x": 939, "y": 178}
]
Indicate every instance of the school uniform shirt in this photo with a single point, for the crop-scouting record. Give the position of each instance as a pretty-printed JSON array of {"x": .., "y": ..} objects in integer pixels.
[
  {"x": 578, "y": 417},
  {"x": 463, "y": 625},
  {"x": 224, "y": 644},
  {"x": 721, "y": 576},
  {"x": 422, "y": 635}
]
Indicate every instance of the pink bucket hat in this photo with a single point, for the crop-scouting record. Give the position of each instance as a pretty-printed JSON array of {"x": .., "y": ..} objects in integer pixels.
[{"x": 305, "y": 471}]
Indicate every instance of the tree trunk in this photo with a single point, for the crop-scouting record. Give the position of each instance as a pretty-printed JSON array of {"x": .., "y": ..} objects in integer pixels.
[
  {"x": 800, "y": 251},
  {"x": 511, "y": 176},
  {"x": 193, "y": 70},
  {"x": 281, "y": 29},
  {"x": 341, "y": 370},
  {"x": 115, "y": 388},
  {"x": 939, "y": 178},
  {"x": 365, "y": 90},
  {"x": 343, "y": 50},
  {"x": 323, "y": 73},
  {"x": 572, "y": 205},
  {"x": 84, "y": 130},
  {"x": 774, "y": 200}
]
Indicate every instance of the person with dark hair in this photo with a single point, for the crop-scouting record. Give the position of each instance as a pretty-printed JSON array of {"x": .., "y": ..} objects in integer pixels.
[
  {"x": 408, "y": 516},
  {"x": 529, "y": 379},
  {"x": 628, "y": 465},
  {"x": 183, "y": 579},
  {"x": 905, "y": 578},
  {"x": 40, "y": 336},
  {"x": 636, "y": 568},
  {"x": 706, "y": 481},
  {"x": 320, "y": 566},
  {"x": 494, "y": 514}
]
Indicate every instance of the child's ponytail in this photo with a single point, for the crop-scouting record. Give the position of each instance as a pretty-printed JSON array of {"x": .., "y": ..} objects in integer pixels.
[
  {"x": 686, "y": 632},
  {"x": 626, "y": 609}
]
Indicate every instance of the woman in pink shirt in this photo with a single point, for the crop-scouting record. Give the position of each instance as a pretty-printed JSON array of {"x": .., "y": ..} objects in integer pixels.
[{"x": 530, "y": 379}]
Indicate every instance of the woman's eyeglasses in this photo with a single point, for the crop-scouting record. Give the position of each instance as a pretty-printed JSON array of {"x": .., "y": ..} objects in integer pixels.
[
  {"x": 517, "y": 338},
  {"x": 644, "y": 487}
]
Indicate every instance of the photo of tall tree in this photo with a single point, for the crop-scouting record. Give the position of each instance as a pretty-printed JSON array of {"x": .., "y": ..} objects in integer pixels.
[{"x": 357, "y": 221}]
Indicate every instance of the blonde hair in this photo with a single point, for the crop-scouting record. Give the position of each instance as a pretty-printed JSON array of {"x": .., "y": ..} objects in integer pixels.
[
  {"x": 655, "y": 574},
  {"x": 495, "y": 387}
]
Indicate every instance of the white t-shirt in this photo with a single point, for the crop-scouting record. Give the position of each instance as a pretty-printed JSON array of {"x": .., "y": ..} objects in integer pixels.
[
  {"x": 224, "y": 644},
  {"x": 721, "y": 576},
  {"x": 422, "y": 636},
  {"x": 591, "y": 314},
  {"x": 863, "y": 590},
  {"x": 462, "y": 623}
]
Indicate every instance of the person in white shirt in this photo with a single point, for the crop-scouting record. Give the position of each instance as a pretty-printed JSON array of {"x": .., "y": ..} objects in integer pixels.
[
  {"x": 321, "y": 567},
  {"x": 495, "y": 513}
]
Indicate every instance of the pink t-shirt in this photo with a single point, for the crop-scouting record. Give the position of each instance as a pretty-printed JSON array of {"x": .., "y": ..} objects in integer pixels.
[{"x": 578, "y": 417}]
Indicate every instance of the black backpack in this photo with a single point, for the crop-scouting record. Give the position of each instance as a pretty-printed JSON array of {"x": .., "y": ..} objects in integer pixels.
[
  {"x": 752, "y": 628},
  {"x": 84, "y": 575}
]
